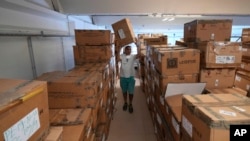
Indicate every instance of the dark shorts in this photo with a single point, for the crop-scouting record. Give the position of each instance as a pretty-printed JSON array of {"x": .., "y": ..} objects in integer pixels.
[{"x": 127, "y": 84}]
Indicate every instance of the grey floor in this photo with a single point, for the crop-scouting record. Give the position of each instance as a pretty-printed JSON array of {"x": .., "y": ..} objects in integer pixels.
[{"x": 137, "y": 126}]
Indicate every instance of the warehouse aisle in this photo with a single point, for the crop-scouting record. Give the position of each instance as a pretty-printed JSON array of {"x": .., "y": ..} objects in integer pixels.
[{"x": 137, "y": 126}]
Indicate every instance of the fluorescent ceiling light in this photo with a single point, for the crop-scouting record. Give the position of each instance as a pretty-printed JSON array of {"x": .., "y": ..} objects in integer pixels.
[{"x": 168, "y": 19}]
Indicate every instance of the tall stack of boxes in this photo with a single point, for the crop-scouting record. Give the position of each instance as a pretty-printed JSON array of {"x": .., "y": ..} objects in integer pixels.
[
  {"x": 210, "y": 58},
  {"x": 242, "y": 79},
  {"x": 165, "y": 64},
  {"x": 219, "y": 60},
  {"x": 82, "y": 99}
]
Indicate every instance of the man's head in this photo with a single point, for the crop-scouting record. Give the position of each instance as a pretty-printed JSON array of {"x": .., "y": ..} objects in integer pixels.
[{"x": 127, "y": 50}]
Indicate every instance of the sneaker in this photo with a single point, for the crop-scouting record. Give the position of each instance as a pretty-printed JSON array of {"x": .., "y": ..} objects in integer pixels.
[
  {"x": 125, "y": 106},
  {"x": 130, "y": 109}
]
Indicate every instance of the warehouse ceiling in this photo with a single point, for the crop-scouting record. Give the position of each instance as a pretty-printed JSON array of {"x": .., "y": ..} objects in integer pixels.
[{"x": 158, "y": 14}]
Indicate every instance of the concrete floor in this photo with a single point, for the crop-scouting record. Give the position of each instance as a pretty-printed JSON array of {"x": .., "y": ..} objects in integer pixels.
[{"x": 137, "y": 126}]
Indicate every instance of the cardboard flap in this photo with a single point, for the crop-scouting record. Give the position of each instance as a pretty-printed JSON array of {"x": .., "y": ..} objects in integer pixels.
[{"x": 184, "y": 88}]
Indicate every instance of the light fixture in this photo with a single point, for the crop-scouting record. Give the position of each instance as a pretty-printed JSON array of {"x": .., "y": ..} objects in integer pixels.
[{"x": 168, "y": 19}]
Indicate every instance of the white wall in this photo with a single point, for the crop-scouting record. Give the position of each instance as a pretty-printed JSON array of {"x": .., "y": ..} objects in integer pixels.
[{"x": 35, "y": 41}]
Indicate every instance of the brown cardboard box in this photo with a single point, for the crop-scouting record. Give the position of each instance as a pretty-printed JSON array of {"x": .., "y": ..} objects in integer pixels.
[
  {"x": 245, "y": 37},
  {"x": 218, "y": 78},
  {"x": 220, "y": 54},
  {"x": 245, "y": 65},
  {"x": 178, "y": 61},
  {"x": 23, "y": 102},
  {"x": 233, "y": 90},
  {"x": 76, "y": 122},
  {"x": 173, "y": 115},
  {"x": 55, "y": 134},
  {"x": 124, "y": 32},
  {"x": 92, "y": 37},
  {"x": 92, "y": 54},
  {"x": 246, "y": 50},
  {"x": 206, "y": 30},
  {"x": 200, "y": 115},
  {"x": 162, "y": 40},
  {"x": 162, "y": 81},
  {"x": 73, "y": 89},
  {"x": 242, "y": 80}
]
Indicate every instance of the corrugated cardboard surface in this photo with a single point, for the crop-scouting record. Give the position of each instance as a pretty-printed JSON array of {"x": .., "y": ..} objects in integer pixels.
[
  {"x": 233, "y": 90},
  {"x": 76, "y": 122},
  {"x": 74, "y": 89},
  {"x": 202, "y": 30},
  {"x": 178, "y": 61},
  {"x": 124, "y": 32},
  {"x": 22, "y": 97},
  {"x": 220, "y": 54},
  {"x": 55, "y": 134},
  {"x": 162, "y": 81},
  {"x": 92, "y": 37},
  {"x": 92, "y": 54},
  {"x": 162, "y": 40},
  {"x": 245, "y": 37},
  {"x": 242, "y": 80},
  {"x": 246, "y": 50},
  {"x": 206, "y": 117},
  {"x": 173, "y": 115},
  {"x": 218, "y": 78}
]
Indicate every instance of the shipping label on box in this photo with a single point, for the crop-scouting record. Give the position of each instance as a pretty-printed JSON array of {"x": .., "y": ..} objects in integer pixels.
[{"x": 24, "y": 110}]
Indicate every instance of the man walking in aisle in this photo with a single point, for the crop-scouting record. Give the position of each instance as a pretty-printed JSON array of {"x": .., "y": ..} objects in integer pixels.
[{"x": 127, "y": 74}]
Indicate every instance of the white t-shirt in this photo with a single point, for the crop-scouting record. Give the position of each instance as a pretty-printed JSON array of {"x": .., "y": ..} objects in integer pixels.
[{"x": 127, "y": 65}]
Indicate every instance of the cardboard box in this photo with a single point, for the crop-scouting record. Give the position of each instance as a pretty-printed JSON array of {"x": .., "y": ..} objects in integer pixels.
[
  {"x": 73, "y": 89},
  {"x": 93, "y": 37},
  {"x": 245, "y": 65},
  {"x": 178, "y": 61},
  {"x": 207, "y": 117},
  {"x": 76, "y": 123},
  {"x": 206, "y": 30},
  {"x": 218, "y": 78},
  {"x": 173, "y": 115},
  {"x": 246, "y": 50},
  {"x": 162, "y": 40},
  {"x": 92, "y": 54},
  {"x": 242, "y": 80},
  {"x": 55, "y": 134},
  {"x": 124, "y": 32},
  {"x": 220, "y": 54},
  {"x": 233, "y": 90},
  {"x": 23, "y": 102},
  {"x": 162, "y": 81},
  {"x": 245, "y": 37}
]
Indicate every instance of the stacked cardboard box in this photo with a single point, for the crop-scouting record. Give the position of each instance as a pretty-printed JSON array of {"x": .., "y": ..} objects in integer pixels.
[
  {"x": 86, "y": 93},
  {"x": 24, "y": 112},
  {"x": 206, "y": 30},
  {"x": 245, "y": 36},
  {"x": 92, "y": 46},
  {"x": 83, "y": 87},
  {"x": 166, "y": 64},
  {"x": 208, "y": 117},
  {"x": 124, "y": 32}
]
